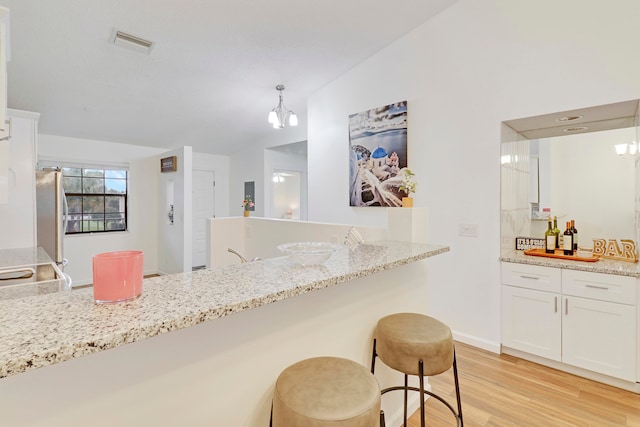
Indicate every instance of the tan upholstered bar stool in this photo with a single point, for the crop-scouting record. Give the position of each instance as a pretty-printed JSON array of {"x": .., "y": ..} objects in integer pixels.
[
  {"x": 415, "y": 344},
  {"x": 326, "y": 391}
]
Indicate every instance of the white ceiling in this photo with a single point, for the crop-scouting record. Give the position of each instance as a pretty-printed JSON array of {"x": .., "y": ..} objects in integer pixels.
[{"x": 210, "y": 79}]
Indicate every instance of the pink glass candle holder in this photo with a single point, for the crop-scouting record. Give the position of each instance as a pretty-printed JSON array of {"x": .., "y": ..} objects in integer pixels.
[{"x": 117, "y": 276}]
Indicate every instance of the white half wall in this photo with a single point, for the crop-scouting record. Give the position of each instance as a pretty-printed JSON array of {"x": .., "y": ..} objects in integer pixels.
[
  {"x": 142, "y": 221},
  {"x": 259, "y": 237},
  {"x": 463, "y": 72}
]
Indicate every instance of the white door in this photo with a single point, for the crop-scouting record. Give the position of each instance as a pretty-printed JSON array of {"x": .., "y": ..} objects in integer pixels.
[
  {"x": 599, "y": 336},
  {"x": 203, "y": 208},
  {"x": 532, "y": 321}
]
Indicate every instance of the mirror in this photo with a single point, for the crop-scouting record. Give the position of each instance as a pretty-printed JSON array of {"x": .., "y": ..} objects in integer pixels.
[{"x": 566, "y": 164}]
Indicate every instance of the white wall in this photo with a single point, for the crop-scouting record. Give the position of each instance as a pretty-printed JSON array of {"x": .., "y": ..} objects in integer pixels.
[
  {"x": 175, "y": 238},
  {"x": 142, "y": 221},
  {"x": 464, "y": 72},
  {"x": 246, "y": 166}
]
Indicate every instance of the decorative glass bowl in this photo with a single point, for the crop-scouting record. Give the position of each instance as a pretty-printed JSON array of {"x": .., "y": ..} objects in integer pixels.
[{"x": 308, "y": 253}]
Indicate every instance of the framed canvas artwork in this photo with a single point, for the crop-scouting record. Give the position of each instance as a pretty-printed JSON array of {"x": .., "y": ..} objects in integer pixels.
[{"x": 378, "y": 153}]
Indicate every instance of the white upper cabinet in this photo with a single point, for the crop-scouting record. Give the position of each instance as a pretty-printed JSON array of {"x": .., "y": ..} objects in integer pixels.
[
  {"x": 4, "y": 57},
  {"x": 4, "y": 130}
]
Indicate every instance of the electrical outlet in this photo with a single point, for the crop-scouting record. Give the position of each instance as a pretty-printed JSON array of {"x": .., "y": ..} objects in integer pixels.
[{"x": 469, "y": 230}]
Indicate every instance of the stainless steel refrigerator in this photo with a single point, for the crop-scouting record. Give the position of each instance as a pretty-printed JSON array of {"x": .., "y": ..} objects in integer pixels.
[{"x": 51, "y": 214}]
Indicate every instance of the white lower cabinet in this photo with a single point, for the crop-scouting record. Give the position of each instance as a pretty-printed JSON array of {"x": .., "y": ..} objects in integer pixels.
[
  {"x": 532, "y": 322},
  {"x": 599, "y": 336},
  {"x": 583, "y": 319}
]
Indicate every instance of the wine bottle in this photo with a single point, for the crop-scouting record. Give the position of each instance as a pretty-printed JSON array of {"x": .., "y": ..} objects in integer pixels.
[
  {"x": 567, "y": 244},
  {"x": 556, "y": 230},
  {"x": 574, "y": 230},
  {"x": 550, "y": 240}
]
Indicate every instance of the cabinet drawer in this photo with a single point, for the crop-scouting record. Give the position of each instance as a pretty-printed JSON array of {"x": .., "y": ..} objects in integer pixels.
[
  {"x": 531, "y": 277},
  {"x": 599, "y": 286}
]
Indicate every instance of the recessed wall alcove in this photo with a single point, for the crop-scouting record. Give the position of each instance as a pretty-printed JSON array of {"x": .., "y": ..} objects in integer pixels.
[{"x": 566, "y": 162}]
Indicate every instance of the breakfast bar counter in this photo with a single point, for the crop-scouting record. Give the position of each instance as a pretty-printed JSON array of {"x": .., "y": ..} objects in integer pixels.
[{"x": 220, "y": 371}]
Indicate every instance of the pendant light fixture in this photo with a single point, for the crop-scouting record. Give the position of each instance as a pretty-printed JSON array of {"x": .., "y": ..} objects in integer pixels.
[{"x": 279, "y": 115}]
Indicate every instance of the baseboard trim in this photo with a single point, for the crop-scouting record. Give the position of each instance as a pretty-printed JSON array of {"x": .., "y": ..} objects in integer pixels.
[
  {"x": 474, "y": 341},
  {"x": 601, "y": 378}
]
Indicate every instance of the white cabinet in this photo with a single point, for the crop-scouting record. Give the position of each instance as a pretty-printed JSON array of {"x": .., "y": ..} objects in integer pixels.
[
  {"x": 532, "y": 322},
  {"x": 4, "y": 57},
  {"x": 583, "y": 319},
  {"x": 599, "y": 323},
  {"x": 17, "y": 216}
]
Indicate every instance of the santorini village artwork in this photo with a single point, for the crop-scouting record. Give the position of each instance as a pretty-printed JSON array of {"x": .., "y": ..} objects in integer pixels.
[{"x": 378, "y": 155}]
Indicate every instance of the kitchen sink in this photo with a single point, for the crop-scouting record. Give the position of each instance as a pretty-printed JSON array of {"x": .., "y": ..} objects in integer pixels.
[
  {"x": 29, "y": 274},
  {"x": 30, "y": 280}
]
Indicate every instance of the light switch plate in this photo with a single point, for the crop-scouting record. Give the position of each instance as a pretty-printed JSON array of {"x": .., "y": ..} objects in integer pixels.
[{"x": 469, "y": 230}]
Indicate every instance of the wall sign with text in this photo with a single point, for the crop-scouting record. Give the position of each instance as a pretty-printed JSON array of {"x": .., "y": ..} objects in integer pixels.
[
  {"x": 169, "y": 164},
  {"x": 526, "y": 243},
  {"x": 624, "y": 251}
]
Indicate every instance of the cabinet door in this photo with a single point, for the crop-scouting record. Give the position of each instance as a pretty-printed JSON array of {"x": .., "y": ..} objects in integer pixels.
[
  {"x": 600, "y": 336},
  {"x": 531, "y": 321},
  {"x": 17, "y": 217}
]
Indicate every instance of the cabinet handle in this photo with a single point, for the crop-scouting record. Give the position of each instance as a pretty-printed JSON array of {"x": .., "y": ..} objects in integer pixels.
[
  {"x": 555, "y": 305},
  {"x": 597, "y": 287},
  {"x": 529, "y": 277},
  {"x": 566, "y": 306}
]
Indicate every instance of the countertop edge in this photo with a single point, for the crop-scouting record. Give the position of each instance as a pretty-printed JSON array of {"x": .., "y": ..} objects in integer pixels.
[{"x": 604, "y": 266}]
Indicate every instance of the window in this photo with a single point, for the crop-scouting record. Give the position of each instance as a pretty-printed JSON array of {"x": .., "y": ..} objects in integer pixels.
[{"x": 96, "y": 198}]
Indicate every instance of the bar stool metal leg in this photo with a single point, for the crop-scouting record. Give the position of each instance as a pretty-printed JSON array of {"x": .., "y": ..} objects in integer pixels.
[
  {"x": 421, "y": 374},
  {"x": 455, "y": 378}
]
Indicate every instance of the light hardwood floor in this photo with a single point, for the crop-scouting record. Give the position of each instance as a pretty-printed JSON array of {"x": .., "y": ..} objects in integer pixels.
[{"x": 501, "y": 390}]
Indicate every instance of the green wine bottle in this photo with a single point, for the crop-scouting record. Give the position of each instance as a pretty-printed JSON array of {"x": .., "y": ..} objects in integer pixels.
[
  {"x": 556, "y": 230},
  {"x": 550, "y": 239}
]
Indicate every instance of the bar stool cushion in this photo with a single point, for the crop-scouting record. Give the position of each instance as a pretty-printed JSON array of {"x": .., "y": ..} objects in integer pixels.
[
  {"x": 326, "y": 391},
  {"x": 403, "y": 339}
]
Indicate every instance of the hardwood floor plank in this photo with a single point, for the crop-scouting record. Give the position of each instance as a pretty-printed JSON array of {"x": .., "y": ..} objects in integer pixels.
[{"x": 505, "y": 391}]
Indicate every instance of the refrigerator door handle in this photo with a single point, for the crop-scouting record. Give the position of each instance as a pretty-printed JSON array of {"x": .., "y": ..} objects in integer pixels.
[{"x": 65, "y": 214}]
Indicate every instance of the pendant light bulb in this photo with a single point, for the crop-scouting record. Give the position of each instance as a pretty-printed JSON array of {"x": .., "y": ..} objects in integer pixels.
[
  {"x": 273, "y": 117},
  {"x": 621, "y": 149},
  {"x": 293, "y": 120}
]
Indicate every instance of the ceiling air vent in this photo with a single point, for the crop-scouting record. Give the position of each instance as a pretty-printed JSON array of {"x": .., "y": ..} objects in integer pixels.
[{"x": 131, "y": 42}]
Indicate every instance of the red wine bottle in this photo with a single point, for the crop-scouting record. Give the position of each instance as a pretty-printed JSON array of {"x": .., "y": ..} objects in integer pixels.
[
  {"x": 575, "y": 235},
  {"x": 567, "y": 244}
]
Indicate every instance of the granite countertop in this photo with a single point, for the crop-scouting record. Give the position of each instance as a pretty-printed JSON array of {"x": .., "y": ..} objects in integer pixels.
[
  {"x": 42, "y": 330},
  {"x": 606, "y": 266}
]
